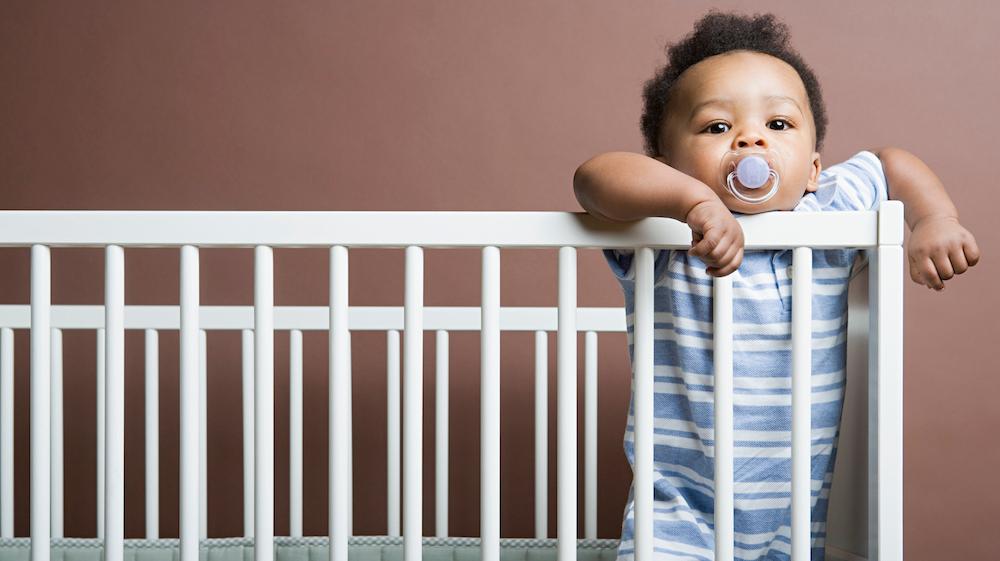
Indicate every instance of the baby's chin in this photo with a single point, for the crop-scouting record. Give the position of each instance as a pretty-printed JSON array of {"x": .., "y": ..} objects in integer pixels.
[
  {"x": 740, "y": 207},
  {"x": 777, "y": 202}
]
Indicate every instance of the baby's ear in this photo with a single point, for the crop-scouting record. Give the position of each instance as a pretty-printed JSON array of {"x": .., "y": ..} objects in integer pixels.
[{"x": 813, "y": 184}]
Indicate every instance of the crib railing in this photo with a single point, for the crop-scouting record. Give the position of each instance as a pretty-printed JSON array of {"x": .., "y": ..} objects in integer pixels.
[
  {"x": 879, "y": 233},
  {"x": 293, "y": 320}
]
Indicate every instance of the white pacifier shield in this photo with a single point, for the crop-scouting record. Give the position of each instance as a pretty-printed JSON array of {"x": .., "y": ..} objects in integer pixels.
[{"x": 751, "y": 171}]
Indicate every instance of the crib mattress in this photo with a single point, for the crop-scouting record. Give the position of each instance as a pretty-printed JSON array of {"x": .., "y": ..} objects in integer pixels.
[{"x": 360, "y": 548}]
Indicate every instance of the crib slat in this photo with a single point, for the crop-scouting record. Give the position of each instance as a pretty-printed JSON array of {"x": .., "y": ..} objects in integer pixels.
[
  {"x": 490, "y": 408},
  {"x": 57, "y": 433},
  {"x": 114, "y": 424},
  {"x": 190, "y": 509},
  {"x": 590, "y": 436},
  {"x": 441, "y": 433},
  {"x": 264, "y": 403},
  {"x": 152, "y": 399},
  {"x": 248, "y": 432},
  {"x": 295, "y": 433},
  {"x": 6, "y": 433},
  {"x": 413, "y": 359},
  {"x": 566, "y": 484},
  {"x": 350, "y": 445},
  {"x": 340, "y": 402},
  {"x": 392, "y": 432},
  {"x": 723, "y": 359},
  {"x": 40, "y": 399},
  {"x": 801, "y": 402},
  {"x": 101, "y": 376},
  {"x": 643, "y": 403},
  {"x": 541, "y": 435},
  {"x": 202, "y": 434}
]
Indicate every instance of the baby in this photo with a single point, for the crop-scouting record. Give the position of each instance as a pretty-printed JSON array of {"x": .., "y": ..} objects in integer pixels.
[{"x": 730, "y": 89}]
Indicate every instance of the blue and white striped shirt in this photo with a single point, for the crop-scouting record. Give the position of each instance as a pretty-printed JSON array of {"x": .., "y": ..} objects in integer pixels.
[{"x": 683, "y": 497}]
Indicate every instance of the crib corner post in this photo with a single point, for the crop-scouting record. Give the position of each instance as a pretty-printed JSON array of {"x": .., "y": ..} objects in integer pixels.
[{"x": 885, "y": 390}]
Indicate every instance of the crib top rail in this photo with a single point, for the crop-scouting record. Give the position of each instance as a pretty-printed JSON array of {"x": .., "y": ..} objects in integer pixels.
[
  {"x": 430, "y": 229},
  {"x": 317, "y": 318}
]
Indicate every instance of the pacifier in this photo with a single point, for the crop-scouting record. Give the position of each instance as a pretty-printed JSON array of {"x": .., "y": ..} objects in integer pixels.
[{"x": 751, "y": 170}]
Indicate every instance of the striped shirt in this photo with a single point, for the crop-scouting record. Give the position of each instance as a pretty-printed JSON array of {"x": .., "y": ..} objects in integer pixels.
[{"x": 683, "y": 432}]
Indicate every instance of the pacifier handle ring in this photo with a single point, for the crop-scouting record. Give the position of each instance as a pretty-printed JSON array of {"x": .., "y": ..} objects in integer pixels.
[{"x": 744, "y": 198}]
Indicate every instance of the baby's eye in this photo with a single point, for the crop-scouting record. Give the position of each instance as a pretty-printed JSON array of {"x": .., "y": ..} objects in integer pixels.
[
  {"x": 713, "y": 128},
  {"x": 786, "y": 124},
  {"x": 714, "y": 131}
]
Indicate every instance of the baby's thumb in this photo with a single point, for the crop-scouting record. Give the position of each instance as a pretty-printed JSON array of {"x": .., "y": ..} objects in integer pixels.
[{"x": 697, "y": 248}]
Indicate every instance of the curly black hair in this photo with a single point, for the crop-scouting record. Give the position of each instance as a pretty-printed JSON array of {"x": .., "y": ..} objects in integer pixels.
[{"x": 717, "y": 33}]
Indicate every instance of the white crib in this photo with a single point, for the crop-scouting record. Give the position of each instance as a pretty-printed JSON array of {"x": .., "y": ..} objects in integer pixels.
[{"x": 874, "y": 353}]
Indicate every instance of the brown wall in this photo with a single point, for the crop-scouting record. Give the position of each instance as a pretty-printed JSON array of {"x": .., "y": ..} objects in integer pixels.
[{"x": 453, "y": 106}]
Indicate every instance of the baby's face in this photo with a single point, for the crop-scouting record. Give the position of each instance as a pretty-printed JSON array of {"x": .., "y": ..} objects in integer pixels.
[{"x": 700, "y": 129}]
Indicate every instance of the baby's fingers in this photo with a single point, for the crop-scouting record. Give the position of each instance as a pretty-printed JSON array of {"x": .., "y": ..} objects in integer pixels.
[
  {"x": 731, "y": 249},
  {"x": 958, "y": 262},
  {"x": 971, "y": 251},
  {"x": 924, "y": 272},
  {"x": 713, "y": 247},
  {"x": 730, "y": 264},
  {"x": 944, "y": 270},
  {"x": 950, "y": 263},
  {"x": 704, "y": 246}
]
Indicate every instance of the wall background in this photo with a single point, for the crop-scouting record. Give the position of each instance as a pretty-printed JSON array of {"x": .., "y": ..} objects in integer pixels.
[{"x": 452, "y": 106}]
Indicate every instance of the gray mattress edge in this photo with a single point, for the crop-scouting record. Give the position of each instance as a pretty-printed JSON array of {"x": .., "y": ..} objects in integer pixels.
[{"x": 360, "y": 548}]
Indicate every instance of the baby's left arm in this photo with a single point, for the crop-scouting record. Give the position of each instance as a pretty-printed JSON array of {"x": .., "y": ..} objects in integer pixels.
[{"x": 939, "y": 247}]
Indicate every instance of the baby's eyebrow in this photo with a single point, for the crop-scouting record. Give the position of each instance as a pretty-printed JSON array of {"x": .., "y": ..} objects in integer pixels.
[{"x": 730, "y": 101}]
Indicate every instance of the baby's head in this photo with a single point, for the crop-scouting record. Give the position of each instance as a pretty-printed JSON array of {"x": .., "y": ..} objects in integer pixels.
[{"x": 734, "y": 84}]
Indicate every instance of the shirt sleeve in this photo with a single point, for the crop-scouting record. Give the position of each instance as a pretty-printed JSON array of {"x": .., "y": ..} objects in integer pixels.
[
  {"x": 622, "y": 263},
  {"x": 856, "y": 184}
]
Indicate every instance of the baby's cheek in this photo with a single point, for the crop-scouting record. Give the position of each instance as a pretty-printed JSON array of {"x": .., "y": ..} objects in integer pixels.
[
  {"x": 700, "y": 167},
  {"x": 713, "y": 180},
  {"x": 790, "y": 199}
]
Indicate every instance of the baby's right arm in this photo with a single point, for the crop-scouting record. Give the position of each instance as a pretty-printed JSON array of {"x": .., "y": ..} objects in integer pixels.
[{"x": 624, "y": 186}]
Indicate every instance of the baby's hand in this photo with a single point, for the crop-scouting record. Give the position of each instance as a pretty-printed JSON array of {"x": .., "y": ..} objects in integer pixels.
[
  {"x": 939, "y": 249},
  {"x": 716, "y": 237}
]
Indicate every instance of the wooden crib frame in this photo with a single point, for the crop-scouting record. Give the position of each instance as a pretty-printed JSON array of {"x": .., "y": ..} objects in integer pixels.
[{"x": 879, "y": 233}]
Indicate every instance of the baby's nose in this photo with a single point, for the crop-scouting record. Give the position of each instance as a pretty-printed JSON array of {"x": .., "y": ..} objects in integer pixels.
[{"x": 750, "y": 138}]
